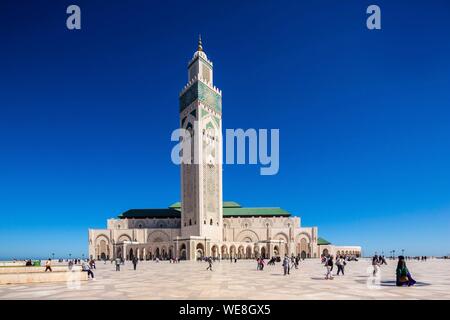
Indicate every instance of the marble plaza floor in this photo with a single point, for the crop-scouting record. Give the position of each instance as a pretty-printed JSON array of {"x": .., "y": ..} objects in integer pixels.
[{"x": 241, "y": 280}]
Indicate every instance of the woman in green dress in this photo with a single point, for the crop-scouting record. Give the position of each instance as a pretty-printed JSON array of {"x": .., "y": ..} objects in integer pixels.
[{"x": 403, "y": 276}]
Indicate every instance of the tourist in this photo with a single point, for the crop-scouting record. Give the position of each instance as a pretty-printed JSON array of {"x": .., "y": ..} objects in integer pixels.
[
  {"x": 329, "y": 266},
  {"x": 403, "y": 277},
  {"x": 70, "y": 265},
  {"x": 135, "y": 262},
  {"x": 118, "y": 263},
  {"x": 285, "y": 264},
  {"x": 48, "y": 265},
  {"x": 87, "y": 268},
  {"x": 210, "y": 262},
  {"x": 261, "y": 264},
  {"x": 375, "y": 265},
  {"x": 340, "y": 263},
  {"x": 92, "y": 264}
]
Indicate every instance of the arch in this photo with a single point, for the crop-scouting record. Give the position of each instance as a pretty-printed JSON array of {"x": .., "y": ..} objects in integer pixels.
[
  {"x": 148, "y": 255},
  {"x": 158, "y": 236},
  {"x": 199, "y": 251},
  {"x": 263, "y": 252},
  {"x": 183, "y": 251},
  {"x": 214, "y": 251},
  {"x": 131, "y": 254},
  {"x": 241, "y": 252},
  {"x": 281, "y": 236},
  {"x": 256, "y": 251},
  {"x": 124, "y": 237},
  {"x": 233, "y": 251},
  {"x": 224, "y": 251},
  {"x": 301, "y": 235},
  {"x": 248, "y": 252},
  {"x": 276, "y": 251},
  {"x": 102, "y": 245},
  {"x": 244, "y": 234}
]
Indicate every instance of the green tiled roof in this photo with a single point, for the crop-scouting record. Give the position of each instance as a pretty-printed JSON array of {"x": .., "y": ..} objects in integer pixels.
[
  {"x": 322, "y": 241},
  {"x": 151, "y": 213},
  {"x": 231, "y": 204},
  {"x": 230, "y": 209},
  {"x": 257, "y": 212}
]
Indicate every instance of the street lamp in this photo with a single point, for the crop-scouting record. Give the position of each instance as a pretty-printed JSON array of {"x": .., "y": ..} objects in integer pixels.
[
  {"x": 393, "y": 254},
  {"x": 176, "y": 255},
  {"x": 403, "y": 252},
  {"x": 70, "y": 256},
  {"x": 53, "y": 256}
]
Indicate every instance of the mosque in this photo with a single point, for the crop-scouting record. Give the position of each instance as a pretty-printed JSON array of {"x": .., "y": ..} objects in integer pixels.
[{"x": 202, "y": 224}]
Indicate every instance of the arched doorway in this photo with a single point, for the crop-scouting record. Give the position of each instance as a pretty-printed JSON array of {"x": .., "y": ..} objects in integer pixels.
[
  {"x": 241, "y": 252},
  {"x": 199, "y": 251},
  {"x": 215, "y": 251},
  {"x": 248, "y": 253},
  {"x": 224, "y": 252},
  {"x": 131, "y": 255},
  {"x": 183, "y": 252},
  {"x": 276, "y": 251},
  {"x": 263, "y": 253},
  {"x": 256, "y": 252},
  {"x": 232, "y": 251},
  {"x": 157, "y": 255},
  {"x": 303, "y": 255}
]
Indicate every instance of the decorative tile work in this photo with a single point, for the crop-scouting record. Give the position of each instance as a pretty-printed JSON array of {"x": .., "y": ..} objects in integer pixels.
[{"x": 203, "y": 93}]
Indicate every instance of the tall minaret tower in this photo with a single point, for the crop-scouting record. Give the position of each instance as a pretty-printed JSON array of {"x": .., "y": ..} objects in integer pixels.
[{"x": 201, "y": 181}]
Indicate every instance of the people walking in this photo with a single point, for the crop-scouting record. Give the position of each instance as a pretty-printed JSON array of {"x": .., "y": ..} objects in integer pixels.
[
  {"x": 48, "y": 265},
  {"x": 285, "y": 264},
  {"x": 70, "y": 265},
  {"x": 86, "y": 268},
  {"x": 92, "y": 264},
  {"x": 340, "y": 263},
  {"x": 210, "y": 262},
  {"x": 403, "y": 276},
  {"x": 118, "y": 262},
  {"x": 375, "y": 265},
  {"x": 261, "y": 263},
  {"x": 135, "y": 262},
  {"x": 329, "y": 266}
]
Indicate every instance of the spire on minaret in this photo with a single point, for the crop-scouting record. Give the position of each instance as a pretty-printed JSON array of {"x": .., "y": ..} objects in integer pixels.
[{"x": 200, "y": 48}]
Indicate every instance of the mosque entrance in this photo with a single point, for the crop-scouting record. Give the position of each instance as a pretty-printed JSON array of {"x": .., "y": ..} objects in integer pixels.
[{"x": 303, "y": 254}]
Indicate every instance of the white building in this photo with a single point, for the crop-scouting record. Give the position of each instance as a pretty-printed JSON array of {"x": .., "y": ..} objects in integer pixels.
[{"x": 202, "y": 224}]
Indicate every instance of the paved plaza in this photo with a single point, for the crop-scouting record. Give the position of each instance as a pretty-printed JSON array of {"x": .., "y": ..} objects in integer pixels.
[{"x": 241, "y": 280}]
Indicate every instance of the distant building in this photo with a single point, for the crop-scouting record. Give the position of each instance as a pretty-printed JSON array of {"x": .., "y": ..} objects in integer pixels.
[{"x": 202, "y": 224}]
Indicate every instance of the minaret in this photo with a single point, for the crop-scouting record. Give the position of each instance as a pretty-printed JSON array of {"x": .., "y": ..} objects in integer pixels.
[{"x": 201, "y": 181}]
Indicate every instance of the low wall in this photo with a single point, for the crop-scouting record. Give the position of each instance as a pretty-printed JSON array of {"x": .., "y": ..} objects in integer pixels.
[
  {"x": 41, "y": 276},
  {"x": 18, "y": 269}
]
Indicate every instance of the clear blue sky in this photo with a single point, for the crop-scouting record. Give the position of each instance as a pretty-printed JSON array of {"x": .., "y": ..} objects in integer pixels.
[{"x": 86, "y": 116}]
